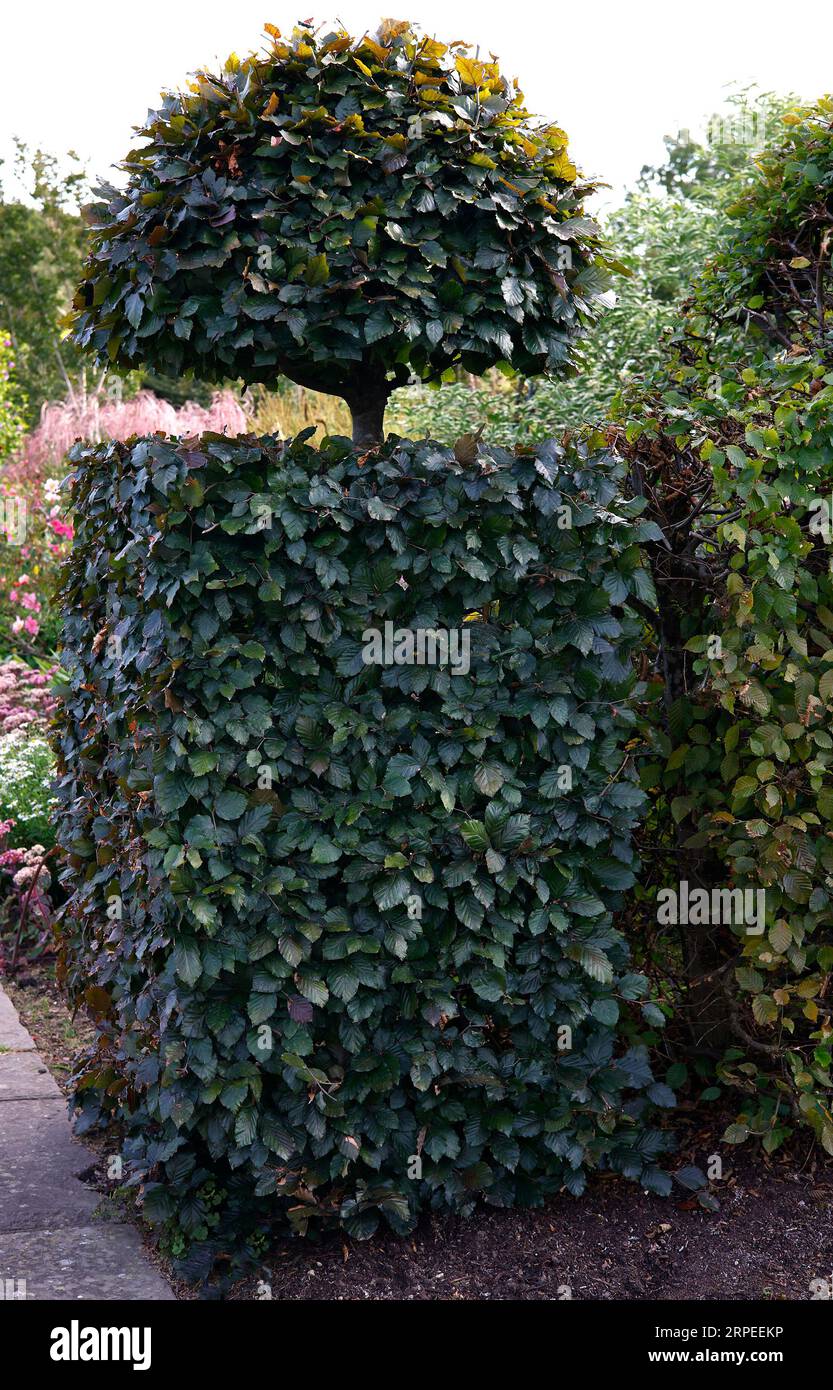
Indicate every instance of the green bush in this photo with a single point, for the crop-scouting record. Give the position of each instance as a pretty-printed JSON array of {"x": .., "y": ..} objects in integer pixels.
[
  {"x": 733, "y": 446},
  {"x": 350, "y": 213},
  {"x": 26, "y": 773},
  {"x": 335, "y": 917}
]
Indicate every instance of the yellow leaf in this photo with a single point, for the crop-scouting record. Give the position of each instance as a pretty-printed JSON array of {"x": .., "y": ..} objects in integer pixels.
[
  {"x": 562, "y": 168},
  {"x": 470, "y": 71},
  {"x": 391, "y": 29},
  {"x": 431, "y": 48},
  {"x": 337, "y": 45},
  {"x": 809, "y": 987},
  {"x": 376, "y": 49}
]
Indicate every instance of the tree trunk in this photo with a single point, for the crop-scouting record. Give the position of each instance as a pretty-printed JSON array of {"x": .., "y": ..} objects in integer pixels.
[{"x": 367, "y": 408}]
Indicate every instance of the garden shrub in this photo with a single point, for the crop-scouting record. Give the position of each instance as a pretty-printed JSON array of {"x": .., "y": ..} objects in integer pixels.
[
  {"x": 27, "y": 700},
  {"x": 26, "y": 799},
  {"x": 733, "y": 446},
  {"x": 353, "y": 214},
  {"x": 333, "y": 917}
]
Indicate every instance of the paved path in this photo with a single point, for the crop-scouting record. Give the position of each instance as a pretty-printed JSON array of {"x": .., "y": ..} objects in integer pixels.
[{"x": 51, "y": 1237}]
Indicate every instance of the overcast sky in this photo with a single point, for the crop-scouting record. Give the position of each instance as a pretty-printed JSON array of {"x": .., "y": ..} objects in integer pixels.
[{"x": 617, "y": 74}]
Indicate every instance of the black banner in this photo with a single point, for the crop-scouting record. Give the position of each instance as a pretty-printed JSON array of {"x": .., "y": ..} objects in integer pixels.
[{"x": 164, "y": 1339}]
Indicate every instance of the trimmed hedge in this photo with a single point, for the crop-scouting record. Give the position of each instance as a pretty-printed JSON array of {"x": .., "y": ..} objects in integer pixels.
[
  {"x": 332, "y": 916},
  {"x": 346, "y": 212}
]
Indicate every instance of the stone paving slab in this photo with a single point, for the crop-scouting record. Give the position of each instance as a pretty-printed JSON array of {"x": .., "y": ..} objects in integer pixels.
[
  {"x": 23, "y": 1076},
  {"x": 12, "y": 1033},
  {"x": 39, "y": 1167},
  {"x": 55, "y": 1236},
  {"x": 81, "y": 1262}
]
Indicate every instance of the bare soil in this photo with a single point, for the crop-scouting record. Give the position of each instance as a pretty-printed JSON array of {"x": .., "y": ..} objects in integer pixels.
[
  {"x": 772, "y": 1235},
  {"x": 42, "y": 1007}
]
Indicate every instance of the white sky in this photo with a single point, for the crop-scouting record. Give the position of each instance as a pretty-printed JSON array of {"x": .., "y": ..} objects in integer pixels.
[{"x": 617, "y": 74}]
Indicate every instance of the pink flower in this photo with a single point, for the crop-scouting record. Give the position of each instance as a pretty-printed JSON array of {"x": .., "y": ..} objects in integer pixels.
[
  {"x": 13, "y": 595},
  {"x": 32, "y": 626},
  {"x": 17, "y": 626},
  {"x": 24, "y": 579},
  {"x": 31, "y": 602}
]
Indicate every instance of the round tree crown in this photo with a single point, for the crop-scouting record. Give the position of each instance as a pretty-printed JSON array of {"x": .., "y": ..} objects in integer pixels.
[{"x": 351, "y": 213}]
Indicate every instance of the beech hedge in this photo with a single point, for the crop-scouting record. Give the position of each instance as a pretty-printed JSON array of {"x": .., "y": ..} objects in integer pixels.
[
  {"x": 346, "y": 928},
  {"x": 344, "y": 211}
]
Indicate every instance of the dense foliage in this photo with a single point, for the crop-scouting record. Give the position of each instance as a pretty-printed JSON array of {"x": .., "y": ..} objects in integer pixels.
[
  {"x": 26, "y": 766},
  {"x": 26, "y": 799},
  {"x": 334, "y": 917},
  {"x": 732, "y": 445},
  {"x": 12, "y": 404},
  {"x": 350, "y": 213},
  {"x": 41, "y": 254}
]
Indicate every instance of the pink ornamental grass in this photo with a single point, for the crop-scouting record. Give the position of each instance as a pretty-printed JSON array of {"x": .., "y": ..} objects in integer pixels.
[{"x": 95, "y": 416}]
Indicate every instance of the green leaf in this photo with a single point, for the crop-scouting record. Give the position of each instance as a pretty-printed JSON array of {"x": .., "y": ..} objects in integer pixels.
[{"x": 230, "y": 805}]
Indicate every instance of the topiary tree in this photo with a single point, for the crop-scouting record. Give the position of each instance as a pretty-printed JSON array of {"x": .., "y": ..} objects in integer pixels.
[
  {"x": 345, "y": 920},
  {"x": 351, "y": 213}
]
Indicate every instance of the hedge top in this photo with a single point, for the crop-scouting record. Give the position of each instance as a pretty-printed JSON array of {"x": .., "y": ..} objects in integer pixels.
[
  {"x": 773, "y": 271},
  {"x": 347, "y": 212}
]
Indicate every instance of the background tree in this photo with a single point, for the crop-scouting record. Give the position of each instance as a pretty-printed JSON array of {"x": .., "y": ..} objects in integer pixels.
[
  {"x": 41, "y": 253},
  {"x": 12, "y": 401},
  {"x": 352, "y": 214}
]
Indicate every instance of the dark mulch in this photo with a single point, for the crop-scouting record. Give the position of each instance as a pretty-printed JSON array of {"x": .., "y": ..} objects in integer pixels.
[{"x": 772, "y": 1235}]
